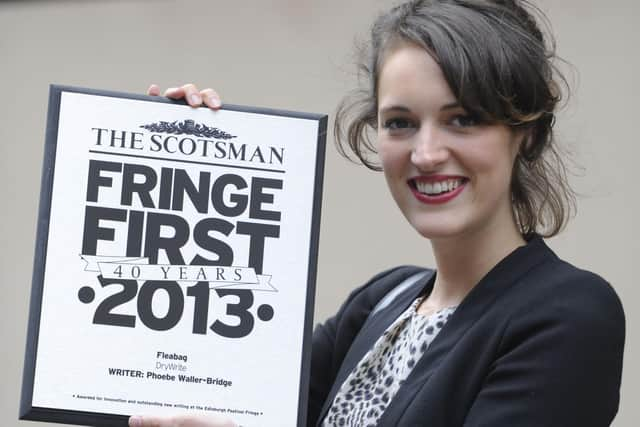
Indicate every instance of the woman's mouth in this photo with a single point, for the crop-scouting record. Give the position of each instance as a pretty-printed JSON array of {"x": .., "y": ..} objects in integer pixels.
[{"x": 434, "y": 190}]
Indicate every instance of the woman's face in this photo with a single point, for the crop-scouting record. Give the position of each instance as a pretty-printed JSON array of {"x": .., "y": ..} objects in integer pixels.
[{"x": 449, "y": 174}]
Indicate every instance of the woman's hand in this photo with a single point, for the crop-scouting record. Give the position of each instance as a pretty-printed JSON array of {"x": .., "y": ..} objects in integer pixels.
[
  {"x": 191, "y": 94},
  {"x": 185, "y": 420}
]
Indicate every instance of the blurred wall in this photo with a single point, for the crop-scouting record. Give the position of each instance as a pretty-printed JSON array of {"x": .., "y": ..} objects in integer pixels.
[{"x": 297, "y": 54}]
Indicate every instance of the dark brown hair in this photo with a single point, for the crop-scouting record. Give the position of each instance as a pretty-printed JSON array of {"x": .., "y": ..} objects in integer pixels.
[{"x": 500, "y": 68}]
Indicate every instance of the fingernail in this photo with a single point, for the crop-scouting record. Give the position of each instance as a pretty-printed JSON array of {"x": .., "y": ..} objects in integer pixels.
[
  {"x": 135, "y": 421},
  {"x": 215, "y": 102},
  {"x": 195, "y": 99}
]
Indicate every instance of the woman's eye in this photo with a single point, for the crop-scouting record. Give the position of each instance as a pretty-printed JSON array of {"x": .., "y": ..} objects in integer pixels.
[
  {"x": 463, "y": 121},
  {"x": 398, "y": 124}
]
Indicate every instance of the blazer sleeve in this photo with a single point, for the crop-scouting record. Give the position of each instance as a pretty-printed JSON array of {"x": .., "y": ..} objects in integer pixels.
[
  {"x": 332, "y": 339},
  {"x": 559, "y": 364}
]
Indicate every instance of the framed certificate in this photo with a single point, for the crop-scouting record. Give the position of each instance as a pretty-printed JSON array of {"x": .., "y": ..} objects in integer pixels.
[{"x": 175, "y": 261}]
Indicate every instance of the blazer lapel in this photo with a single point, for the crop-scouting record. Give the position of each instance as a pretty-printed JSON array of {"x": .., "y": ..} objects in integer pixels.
[{"x": 372, "y": 329}]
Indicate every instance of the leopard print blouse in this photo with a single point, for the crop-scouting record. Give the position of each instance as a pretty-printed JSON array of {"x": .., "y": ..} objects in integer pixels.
[{"x": 367, "y": 391}]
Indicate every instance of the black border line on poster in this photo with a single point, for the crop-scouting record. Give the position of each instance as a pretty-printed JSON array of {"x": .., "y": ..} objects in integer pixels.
[{"x": 27, "y": 410}]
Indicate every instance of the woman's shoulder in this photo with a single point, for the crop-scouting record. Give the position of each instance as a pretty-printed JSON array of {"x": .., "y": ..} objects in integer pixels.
[
  {"x": 386, "y": 282},
  {"x": 540, "y": 294},
  {"x": 571, "y": 303},
  {"x": 544, "y": 281},
  {"x": 566, "y": 285}
]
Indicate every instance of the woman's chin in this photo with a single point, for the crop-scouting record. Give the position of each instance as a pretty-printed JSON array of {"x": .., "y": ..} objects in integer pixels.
[{"x": 438, "y": 231}]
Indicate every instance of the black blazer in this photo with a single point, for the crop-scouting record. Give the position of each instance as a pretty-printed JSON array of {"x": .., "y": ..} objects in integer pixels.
[{"x": 537, "y": 342}]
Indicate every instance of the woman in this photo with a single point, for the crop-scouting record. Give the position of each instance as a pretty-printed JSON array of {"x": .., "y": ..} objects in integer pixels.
[{"x": 462, "y": 96}]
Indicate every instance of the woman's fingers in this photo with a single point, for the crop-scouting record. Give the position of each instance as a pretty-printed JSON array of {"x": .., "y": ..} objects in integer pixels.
[
  {"x": 185, "y": 420},
  {"x": 195, "y": 97},
  {"x": 211, "y": 98},
  {"x": 188, "y": 92},
  {"x": 192, "y": 95},
  {"x": 148, "y": 421},
  {"x": 154, "y": 90}
]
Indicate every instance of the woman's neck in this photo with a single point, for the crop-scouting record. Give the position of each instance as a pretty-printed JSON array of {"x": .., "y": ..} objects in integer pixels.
[{"x": 462, "y": 261}]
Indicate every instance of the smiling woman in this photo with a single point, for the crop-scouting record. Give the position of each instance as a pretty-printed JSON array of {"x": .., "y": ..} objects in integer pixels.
[{"x": 461, "y": 97}]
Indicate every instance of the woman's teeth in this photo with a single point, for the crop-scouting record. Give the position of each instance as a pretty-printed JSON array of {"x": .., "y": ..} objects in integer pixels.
[{"x": 434, "y": 188}]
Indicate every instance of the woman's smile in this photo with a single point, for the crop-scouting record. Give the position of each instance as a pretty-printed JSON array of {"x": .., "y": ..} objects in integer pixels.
[{"x": 435, "y": 189}]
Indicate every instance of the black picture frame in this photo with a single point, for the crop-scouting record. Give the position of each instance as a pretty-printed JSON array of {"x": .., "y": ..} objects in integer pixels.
[{"x": 30, "y": 412}]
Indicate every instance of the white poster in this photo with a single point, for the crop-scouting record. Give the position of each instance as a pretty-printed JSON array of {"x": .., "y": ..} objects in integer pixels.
[{"x": 175, "y": 262}]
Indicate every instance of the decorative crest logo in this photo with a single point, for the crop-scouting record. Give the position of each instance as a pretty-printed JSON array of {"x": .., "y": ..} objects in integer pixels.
[{"x": 188, "y": 127}]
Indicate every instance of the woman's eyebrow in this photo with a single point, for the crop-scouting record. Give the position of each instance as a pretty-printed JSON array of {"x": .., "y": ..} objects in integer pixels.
[
  {"x": 402, "y": 109},
  {"x": 395, "y": 109},
  {"x": 451, "y": 106}
]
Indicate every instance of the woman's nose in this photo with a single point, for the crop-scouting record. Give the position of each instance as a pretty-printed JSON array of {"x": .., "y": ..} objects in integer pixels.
[{"x": 429, "y": 150}]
